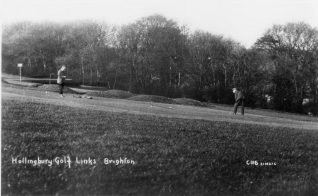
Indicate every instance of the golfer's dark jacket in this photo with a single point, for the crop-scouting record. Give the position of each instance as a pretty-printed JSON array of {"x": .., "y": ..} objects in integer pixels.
[{"x": 239, "y": 95}]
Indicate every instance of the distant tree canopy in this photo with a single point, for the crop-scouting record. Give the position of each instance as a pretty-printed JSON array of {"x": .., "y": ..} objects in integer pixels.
[
  {"x": 155, "y": 55},
  {"x": 293, "y": 51}
]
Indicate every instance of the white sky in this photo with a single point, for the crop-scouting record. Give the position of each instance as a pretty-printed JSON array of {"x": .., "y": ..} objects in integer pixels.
[{"x": 241, "y": 20}]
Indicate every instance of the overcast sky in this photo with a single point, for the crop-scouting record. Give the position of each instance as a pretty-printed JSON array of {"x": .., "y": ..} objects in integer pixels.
[{"x": 241, "y": 20}]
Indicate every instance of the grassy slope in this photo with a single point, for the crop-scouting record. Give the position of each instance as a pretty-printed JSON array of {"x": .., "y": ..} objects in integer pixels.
[
  {"x": 125, "y": 94},
  {"x": 174, "y": 156}
]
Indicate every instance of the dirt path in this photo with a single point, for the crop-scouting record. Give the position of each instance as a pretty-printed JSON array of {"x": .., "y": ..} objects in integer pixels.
[{"x": 156, "y": 109}]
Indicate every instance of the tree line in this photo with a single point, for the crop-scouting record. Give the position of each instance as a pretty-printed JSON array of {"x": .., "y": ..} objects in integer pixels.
[{"x": 155, "y": 55}]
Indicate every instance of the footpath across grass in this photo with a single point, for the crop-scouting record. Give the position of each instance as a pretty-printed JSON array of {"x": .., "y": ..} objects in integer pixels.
[{"x": 172, "y": 156}]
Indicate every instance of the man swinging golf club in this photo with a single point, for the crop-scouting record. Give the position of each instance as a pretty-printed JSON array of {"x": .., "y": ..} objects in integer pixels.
[
  {"x": 61, "y": 79},
  {"x": 239, "y": 100}
]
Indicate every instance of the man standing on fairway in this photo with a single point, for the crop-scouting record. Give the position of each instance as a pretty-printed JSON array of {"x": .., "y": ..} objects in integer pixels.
[
  {"x": 61, "y": 79},
  {"x": 239, "y": 100}
]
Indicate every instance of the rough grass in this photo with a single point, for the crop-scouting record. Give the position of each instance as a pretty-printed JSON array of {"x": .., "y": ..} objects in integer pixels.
[
  {"x": 152, "y": 98},
  {"x": 174, "y": 156},
  {"x": 116, "y": 94},
  {"x": 100, "y": 88},
  {"x": 22, "y": 83},
  {"x": 187, "y": 101},
  {"x": 54, "y": 88}
]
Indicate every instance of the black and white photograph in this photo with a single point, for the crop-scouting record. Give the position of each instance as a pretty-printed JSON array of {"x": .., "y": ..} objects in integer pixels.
[{"x": 159, "y": 97}]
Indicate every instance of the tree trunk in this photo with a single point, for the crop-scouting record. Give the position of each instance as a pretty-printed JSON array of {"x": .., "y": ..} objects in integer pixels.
[
  {"x": 200, "y": 76},
  {"x": 97, "y": 74},
  {"x": 114, "y": 85},
  {"x": 83, "y": 72},
  {"x": 316, "y": 103},
  {"x": 131, "y": 75},
  {"x": 225, "y": 78},
  {"x": 225, "y": 75},
  {"x": 170, "y": 76},
  {"x": 29, "y": 62},
  {"x": 315, "y": 91},
  {"x": 214, "y": 79},
  {"x": 233, "y": 78},
  {"x": 91, "y": 76},
  {"x": 295, "y": 85}
]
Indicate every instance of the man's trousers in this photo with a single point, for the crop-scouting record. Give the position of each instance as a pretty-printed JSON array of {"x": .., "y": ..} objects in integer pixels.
[{"x": 237, "y": 103}]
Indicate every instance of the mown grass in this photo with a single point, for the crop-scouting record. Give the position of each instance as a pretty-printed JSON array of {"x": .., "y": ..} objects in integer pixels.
[{"x": 174, "y": 156}]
